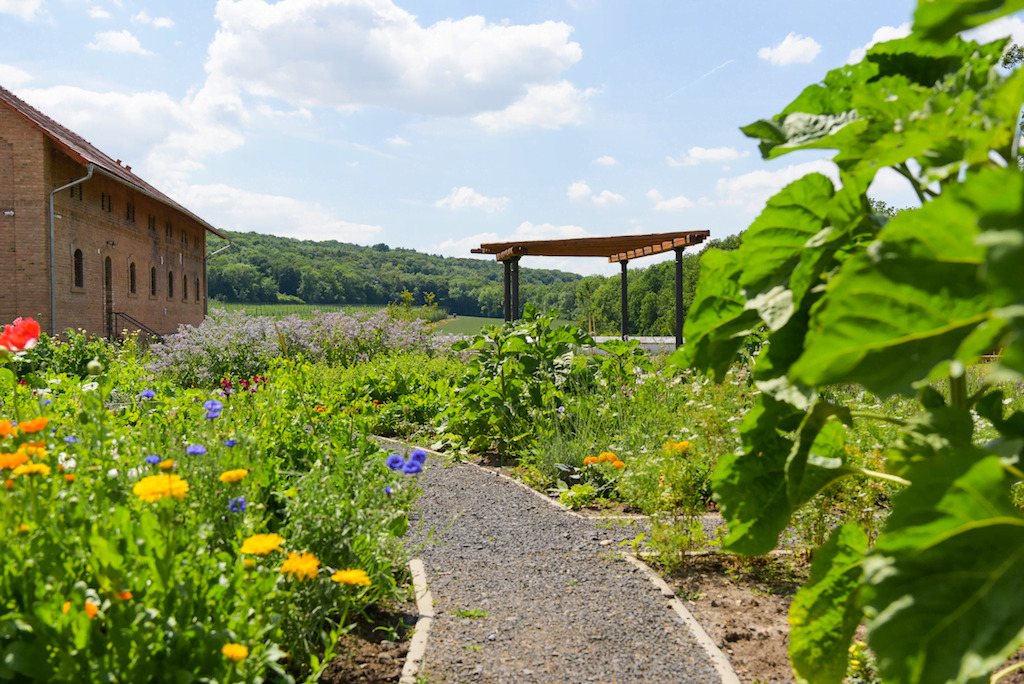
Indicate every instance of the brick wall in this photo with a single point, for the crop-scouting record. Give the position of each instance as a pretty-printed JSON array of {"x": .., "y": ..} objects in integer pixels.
[{"x": 103, "y": 219}]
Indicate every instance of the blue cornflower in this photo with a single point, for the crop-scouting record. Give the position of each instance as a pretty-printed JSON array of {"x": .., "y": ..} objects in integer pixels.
[
  {"x": 213, "y": 405},
  {"x": 71, "y": 439},
  {"x": 237, "y": 505},
  {"x": 153, "y": 459},
  {"x": 418, "y": 456},
  {"x": 213, "y": 414},
  {"x": 147, "y": 394},
  {"x": 195, "y": 450},
  {"x": 45, "y": 402},
  {"x": 389, "y": 491},
  {"x": 411, "y": 468},
  {"x": 230, "y": 442},
  {"x": 395, "y": 462}
]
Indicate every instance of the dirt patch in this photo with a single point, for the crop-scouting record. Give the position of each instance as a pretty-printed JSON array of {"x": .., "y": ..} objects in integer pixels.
[{"x": 374, "y": 652}]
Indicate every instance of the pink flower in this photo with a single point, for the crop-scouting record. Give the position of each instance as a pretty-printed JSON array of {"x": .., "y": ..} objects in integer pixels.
[{"x": 19, "y": 336}]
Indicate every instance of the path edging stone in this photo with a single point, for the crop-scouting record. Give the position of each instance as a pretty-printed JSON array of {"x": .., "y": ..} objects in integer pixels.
[{"x": 425, "y": 608}]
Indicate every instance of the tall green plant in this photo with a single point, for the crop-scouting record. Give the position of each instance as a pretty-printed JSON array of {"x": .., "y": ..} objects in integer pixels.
[{"x": 847, "y": 294}]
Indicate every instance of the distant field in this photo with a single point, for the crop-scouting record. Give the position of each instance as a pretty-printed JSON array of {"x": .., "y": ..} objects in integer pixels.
[
  {"x": 471, "y": 325},
  {"x": 282, "y": 310}
]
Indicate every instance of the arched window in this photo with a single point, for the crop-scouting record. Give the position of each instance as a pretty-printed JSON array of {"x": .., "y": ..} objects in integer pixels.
[
  {"x": 79, "y": 269},
  {"x": 131, "y": 278},
  {"x": 170, "y": 284},
  {"x": 184, "y": 288},
  {"x": 152, "y": 281}
]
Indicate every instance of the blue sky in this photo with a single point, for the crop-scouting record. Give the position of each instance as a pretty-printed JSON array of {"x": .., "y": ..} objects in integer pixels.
[{"x": 440, "y": 124}]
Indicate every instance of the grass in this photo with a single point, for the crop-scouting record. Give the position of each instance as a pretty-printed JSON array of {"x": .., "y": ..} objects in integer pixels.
[
  {"x": 471, "y": 614},
  {"x": 471, "y": 325},
  {"x": 301, "y": 310}
]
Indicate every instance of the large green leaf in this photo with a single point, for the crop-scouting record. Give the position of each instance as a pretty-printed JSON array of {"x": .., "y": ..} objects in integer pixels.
[
  {"x": 944, "y": 584},
  {"x": 942, "y": 19},
  {"x": 825, "y": 612},
  {"x": 718, "y": 319},
  {"x": 904, "y": 306}
]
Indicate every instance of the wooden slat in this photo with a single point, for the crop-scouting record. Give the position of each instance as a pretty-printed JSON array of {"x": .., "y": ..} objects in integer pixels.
[{"x": 617, "y": 248}]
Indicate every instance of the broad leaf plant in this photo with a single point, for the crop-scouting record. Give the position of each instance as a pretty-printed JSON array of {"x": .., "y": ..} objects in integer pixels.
[{"x": 899, "y": 305}]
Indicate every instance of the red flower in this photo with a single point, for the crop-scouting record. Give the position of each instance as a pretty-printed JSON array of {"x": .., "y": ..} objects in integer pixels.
[{"x": 19, "y": 336}]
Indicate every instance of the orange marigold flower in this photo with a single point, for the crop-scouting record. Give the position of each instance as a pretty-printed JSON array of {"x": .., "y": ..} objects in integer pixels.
[
  {"x": 91, "y": 609},
  {"x": 236, "y": 653},
  {"x": 233, "y": 475},
  {"x": 70, "y": 477},
  {"x": 66, "y": 608},
  {"x": 166, "y": 465},
  {"x": 34, "y": 425},
  {"x": 357, "y": 578},
  {"x": 7, "y": 429},
  {"x": 13, "y": 460},
  {"x": 262, "y": 544},
  {"x": 618, "y": 464},
  {"x": 32, "y": 469},
  {"x": 589, "y": 460},
  {"x": 156, "y": 487},
  {"x": 607, "y": 457},
  {"x": 8, "y": 484},
  {"x": 20, "y": 335},
  {"x": 124, "y": 595},
  {"x": 301, "y": 566}
]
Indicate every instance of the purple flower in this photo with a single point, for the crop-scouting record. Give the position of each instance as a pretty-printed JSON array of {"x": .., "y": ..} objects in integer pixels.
[
  {"x": 213, "y": 405},
  {"x": 418, "y": 456},
  {"x": 395, "y": 462},
  {"x": 45, "y": 402},
  {"x": 195, "y": 450},
  {"x": 237, "y": 505},
  {"x": 212, "y": 414},
  {"x": 147, "y": 394},
  {"x": 389, "y": 491},
  {"x": 230, "y": 442},
  {"x": 411, "y": 468},
  {"x": 153, "y": 459},
  {"x": 71, "y": 439}
]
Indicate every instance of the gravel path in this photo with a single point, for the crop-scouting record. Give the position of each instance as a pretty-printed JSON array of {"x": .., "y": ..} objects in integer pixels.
[{"x": 525, "y": 592}]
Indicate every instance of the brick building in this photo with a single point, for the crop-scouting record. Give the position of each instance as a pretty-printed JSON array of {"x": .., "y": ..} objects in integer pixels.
[{"x": 84, "y": 242}]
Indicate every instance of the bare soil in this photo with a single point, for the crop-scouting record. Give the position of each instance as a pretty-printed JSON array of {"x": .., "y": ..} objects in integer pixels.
[{"x": 374, "y": 652}]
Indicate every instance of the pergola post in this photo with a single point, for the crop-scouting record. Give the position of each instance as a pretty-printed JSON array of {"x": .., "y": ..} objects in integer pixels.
[
  {"x": 515, "y": 288},
  {"x": 679, "y": 297},
  {"x": 625, "y": 302},
  {"x": 507, "y": 280}
]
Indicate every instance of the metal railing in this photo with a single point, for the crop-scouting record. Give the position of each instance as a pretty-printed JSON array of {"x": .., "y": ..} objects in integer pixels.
[{"x": 120, "y": 322}]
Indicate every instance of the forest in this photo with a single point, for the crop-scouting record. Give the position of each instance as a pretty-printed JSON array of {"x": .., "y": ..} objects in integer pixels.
[{"x": 262, "y": 268}]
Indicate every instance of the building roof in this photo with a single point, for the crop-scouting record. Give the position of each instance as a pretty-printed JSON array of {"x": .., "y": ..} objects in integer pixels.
[
  {"x": 85, "y": 152},
  {"x": 617, "y": 248}
]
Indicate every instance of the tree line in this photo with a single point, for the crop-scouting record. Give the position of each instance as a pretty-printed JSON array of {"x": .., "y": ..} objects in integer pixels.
[{"x": 268, "y": 269}]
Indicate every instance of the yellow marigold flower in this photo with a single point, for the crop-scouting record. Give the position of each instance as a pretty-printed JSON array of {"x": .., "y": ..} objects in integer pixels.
[
  {"x": 37, "y": 450},
  {"x": 301, "y": 566},
  {"x": 607, "y": 457},
  {"x": 13, "y": 460},
  {"x": 34, "y": 425},
  {"x": 589, "y": 460},
  {"x": 7, "y": 429},
  {"x": 91, "y": 609},
  {"x": 23, "y": 528},
  {"x": 236, "y": 653},
  {"x": 248, "y": 564},
  {"x": 357, "y": 578},
  {"x": 262, "y": 544},
  {"x": 66, "y": 608},
  {"x": 618, "y": 464},
  {"x": 32, "y": 469},
  {"x": 156, "y": 487},
  {"x": 233, "y": 475},
  {"x": 166, "y": 465}
]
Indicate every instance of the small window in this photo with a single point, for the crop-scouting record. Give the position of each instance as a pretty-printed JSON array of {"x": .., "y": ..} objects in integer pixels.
[
  {"x": 131, "y": 278},
  {"x": 152, "y": 281},
  {"x": 197, "y": 288},
  {"x": 79, "y": 269},
  {"x": 129, "y": 212},
  {"x": 152, "y": 223},
  {"x": 106, "y": 202},
  {"x": 168, "y": 231},
  {"x": 184, "y": 288},
  {"x": 170, "y": 284},
  {"x": 76, "y": 190},
  {"x": 184, "y": 238}
]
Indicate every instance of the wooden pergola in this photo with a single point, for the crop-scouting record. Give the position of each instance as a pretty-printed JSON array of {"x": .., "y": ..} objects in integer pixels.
[{"x": 620, "y": 248}]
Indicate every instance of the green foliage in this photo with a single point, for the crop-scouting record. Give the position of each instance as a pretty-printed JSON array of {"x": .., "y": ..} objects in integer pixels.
[
  {"x": 849, "y": 293},
  {"x": 577, "y": 496}
]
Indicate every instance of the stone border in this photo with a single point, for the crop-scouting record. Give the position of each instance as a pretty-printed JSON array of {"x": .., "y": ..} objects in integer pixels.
[
  {"x": 425, "y": 608},
  {"x": 718, "y": 659}
]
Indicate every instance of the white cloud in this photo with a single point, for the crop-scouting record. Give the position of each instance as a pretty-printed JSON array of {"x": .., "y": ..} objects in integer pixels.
[
  {"x": 25, "y": 9},
  {"x": 700, "y": 155},
  {"x": 752, "y": 190},
  {"x": 581, "y": 191},
  {"x": 794, "y": 49},
  {"x": 234, "y": 209},
  {"x": 606, "y": 161},
  {"x": 883, "y": 34},
  {"x": 399, "y": 140},
  {"x": 676, "y": 203},
  {"x": 158, "y": 22},
  {"x": 13, "y": 77},
  {"x": 352, "y": 54},
  {"x": 1000, "y": 28},
  {"x": 97, "y": 12},
  {"x": 462, "y": 198},
  {"x": 117, "y": 41}
]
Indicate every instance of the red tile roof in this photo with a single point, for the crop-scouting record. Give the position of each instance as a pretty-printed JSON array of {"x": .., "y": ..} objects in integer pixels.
[{"x": 84, "y": 151}]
